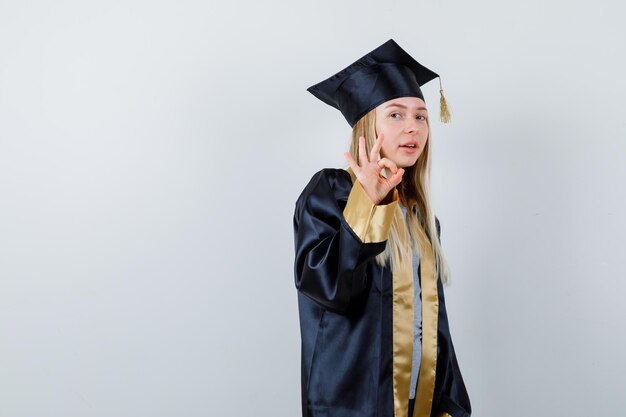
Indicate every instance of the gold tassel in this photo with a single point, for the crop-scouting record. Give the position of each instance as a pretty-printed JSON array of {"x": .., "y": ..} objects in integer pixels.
[{"x": 444, "y": 113}]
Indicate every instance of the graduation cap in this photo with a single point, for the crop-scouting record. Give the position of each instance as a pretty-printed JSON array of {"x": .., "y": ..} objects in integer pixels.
[{"x": 385, "y": 73}]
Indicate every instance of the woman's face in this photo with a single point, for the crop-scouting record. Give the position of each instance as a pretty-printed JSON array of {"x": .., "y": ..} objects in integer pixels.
[{"x": 402, "y": 121}]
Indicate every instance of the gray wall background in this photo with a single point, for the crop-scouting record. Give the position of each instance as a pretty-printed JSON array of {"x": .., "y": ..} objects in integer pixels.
[{"x": 151, "y": 154}]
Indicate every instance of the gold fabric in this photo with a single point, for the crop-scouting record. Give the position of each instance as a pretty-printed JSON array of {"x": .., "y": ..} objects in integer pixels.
[
  {"x": 403, "y": 304},
  {"x": 370, "y": 222},
  {"x": 430, "y": 316}
]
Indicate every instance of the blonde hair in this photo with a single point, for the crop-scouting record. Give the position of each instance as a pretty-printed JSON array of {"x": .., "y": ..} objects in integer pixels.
[{"x": 414, "y": 194}]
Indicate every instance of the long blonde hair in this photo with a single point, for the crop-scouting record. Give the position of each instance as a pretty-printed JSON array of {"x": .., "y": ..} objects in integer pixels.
[{"x": 414, "y": 194}]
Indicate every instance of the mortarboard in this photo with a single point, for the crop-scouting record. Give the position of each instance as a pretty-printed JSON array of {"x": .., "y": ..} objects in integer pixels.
[{"x": 383, "y": 74}]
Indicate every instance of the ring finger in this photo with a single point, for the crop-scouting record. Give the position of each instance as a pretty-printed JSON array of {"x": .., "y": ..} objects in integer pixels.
[{"x": 362, "y": 153}]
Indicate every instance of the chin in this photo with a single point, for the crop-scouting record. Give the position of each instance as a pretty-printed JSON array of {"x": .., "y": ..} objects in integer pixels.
[{"x": 405, "y": 163}]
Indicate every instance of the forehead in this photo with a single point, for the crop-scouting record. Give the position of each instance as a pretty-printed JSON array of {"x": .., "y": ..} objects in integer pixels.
[{"x": 413, "y": 103}]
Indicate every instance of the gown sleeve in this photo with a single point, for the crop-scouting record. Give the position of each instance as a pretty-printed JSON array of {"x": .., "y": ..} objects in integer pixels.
[
  {"x": 337, "y": 230},
  {"x": 454, "y": 400}
]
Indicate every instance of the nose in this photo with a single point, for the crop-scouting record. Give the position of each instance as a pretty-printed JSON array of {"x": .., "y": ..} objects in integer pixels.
[{"x": 412, "y": 126}]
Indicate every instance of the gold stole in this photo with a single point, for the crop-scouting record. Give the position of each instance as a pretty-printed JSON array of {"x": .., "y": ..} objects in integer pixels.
[{"x": 403, "y": 326}]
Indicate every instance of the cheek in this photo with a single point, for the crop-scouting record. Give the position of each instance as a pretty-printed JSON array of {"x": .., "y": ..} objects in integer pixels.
[
  {"x": 386, "y": 148},
  {"x": 391, "y": 141},
  {"x": 389, "y": 131}
]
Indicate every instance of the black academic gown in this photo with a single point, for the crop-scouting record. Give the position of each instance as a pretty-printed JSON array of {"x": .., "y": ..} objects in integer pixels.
[{"x": 345, "y": 307}]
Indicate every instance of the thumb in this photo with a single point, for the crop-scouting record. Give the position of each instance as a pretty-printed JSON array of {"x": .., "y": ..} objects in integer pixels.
[{"x": 397, "y": 177}]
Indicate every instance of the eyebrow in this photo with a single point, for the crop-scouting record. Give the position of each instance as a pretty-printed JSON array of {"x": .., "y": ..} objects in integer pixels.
[{"x": 403, "y": 106}]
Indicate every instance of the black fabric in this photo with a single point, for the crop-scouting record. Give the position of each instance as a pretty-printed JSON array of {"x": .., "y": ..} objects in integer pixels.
[
  {"x": 345, "y": 308},
  {"x": 383, "y": 74}
]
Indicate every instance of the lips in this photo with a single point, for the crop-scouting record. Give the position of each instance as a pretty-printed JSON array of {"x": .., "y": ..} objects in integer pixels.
[
  {"x": 408, "y": 149},
  {"x": 409, "y": 143}
]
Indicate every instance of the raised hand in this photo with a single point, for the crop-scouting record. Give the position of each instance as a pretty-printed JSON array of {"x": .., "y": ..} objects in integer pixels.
[{"x": 369, "y": 171}]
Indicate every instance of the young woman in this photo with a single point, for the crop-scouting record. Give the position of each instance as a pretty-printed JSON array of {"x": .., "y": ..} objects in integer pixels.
[{"x": 369, "y": 267}]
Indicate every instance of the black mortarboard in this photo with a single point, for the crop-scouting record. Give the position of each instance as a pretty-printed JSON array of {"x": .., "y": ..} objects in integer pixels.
[{"x": 386, "y": 73}]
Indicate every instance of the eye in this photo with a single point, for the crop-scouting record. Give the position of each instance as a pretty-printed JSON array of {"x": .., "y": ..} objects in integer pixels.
[
  {"x": 422, "y": 117},
  {"x": 394, "y": 114}
]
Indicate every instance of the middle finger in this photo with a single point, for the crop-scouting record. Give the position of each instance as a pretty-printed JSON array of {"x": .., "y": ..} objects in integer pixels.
[{"x": 375, "y": 154}]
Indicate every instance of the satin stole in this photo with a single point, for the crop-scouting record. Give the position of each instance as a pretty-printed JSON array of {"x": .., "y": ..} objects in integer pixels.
[{"x": 403, "y": 305}]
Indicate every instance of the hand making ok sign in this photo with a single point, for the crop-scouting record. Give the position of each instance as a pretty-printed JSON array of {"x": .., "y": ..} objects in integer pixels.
[{"x": 368, "y": 171}]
